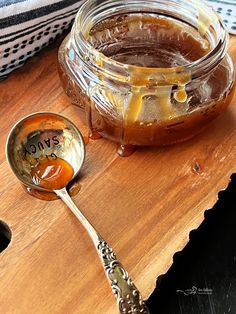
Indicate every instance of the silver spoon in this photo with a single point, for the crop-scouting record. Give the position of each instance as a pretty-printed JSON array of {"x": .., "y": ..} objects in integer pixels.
[{"x": 50, "y": 135}]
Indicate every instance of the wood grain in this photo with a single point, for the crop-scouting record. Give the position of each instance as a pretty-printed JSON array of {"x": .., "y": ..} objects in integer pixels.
[{"x": 144, "y": 206}]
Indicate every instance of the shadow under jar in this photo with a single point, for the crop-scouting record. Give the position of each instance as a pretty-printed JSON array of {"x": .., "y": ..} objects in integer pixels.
[{"x": 147, "y": 72}]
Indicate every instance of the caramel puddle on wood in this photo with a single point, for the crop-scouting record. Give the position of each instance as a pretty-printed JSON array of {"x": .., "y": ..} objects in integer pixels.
[{"x": 73, "y": 189}]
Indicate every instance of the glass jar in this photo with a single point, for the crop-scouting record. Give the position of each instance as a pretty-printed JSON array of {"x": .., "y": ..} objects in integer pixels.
[{"x": 147, "y": 72}]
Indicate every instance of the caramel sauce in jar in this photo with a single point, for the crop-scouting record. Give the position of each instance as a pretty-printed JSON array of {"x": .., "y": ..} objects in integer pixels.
[{"x": 147, "y": 78}]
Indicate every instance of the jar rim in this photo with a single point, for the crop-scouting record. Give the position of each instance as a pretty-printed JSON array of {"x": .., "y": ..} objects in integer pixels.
[{"x": 118, "y": 70}]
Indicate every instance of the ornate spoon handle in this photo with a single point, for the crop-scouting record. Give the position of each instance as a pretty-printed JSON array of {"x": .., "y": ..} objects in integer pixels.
[{"x": 128, "y": 297}]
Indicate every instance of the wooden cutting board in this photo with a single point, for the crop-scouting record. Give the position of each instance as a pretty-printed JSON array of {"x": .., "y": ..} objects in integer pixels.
[{"x": 144, "y": 206}]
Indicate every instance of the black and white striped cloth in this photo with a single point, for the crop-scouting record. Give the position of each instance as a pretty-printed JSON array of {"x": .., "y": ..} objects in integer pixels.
[
  {"x": 227, "y": 10},
  {"x": 26, "y": 26}
]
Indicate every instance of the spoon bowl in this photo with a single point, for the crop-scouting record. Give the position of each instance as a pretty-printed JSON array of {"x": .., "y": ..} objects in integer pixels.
[{"x": 41, "y": 135}]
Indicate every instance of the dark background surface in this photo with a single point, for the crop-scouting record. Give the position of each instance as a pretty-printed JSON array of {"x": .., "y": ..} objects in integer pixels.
[{"x": 202, "y": 279}]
